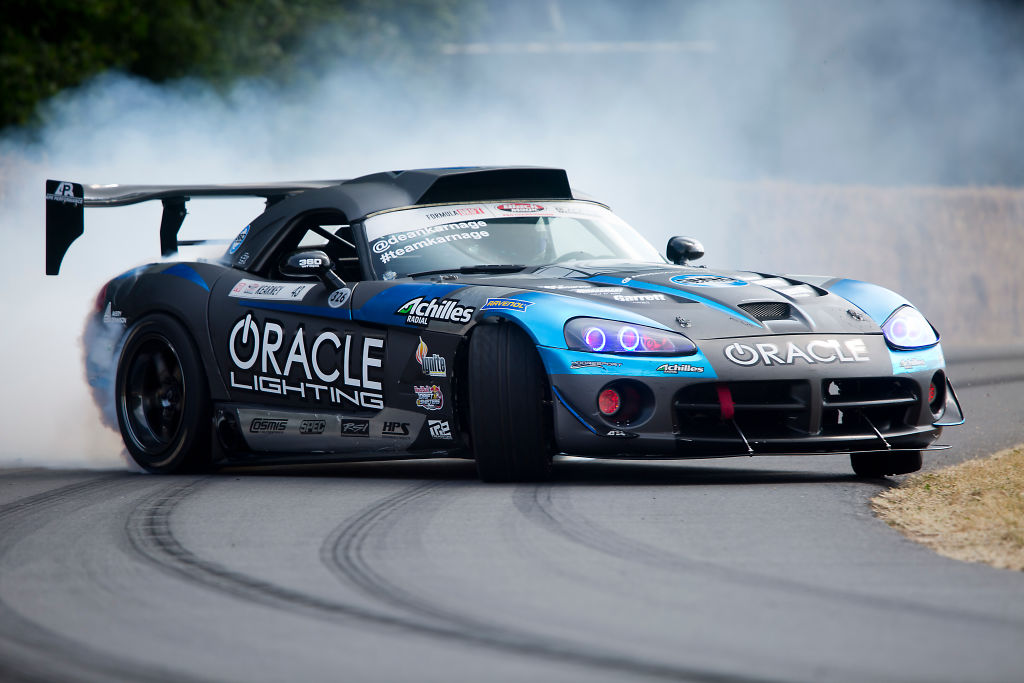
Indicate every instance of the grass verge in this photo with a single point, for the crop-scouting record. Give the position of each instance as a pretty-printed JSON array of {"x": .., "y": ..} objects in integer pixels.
[{"x": 973, "y": 511}]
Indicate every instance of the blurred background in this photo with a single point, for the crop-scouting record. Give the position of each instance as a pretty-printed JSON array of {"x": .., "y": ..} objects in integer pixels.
[{"x": 877, "y": 140}]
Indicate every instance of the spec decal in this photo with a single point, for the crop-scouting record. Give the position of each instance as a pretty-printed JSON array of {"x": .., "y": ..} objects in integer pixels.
[
  {"x": 312, "y": 426},
  {"x": 270, "y": 291},
  {"x": 506, "y": 304},
  {"x": 419, "y": 312},
  {"x": 439, "y": 429},
  {"x": 429, "y": 397},
  {"x": 676, "y": 368},
  {"x": 433, "y": 365},
  {"x": 351, "y": 426},
  {"x": 395, "y": 429},
  {"x": 339, "y": 297},
  {"x": 238, "y": 240},
  {"x": 639, "y": 298},
  {"x": 708, "y": 281},
  {"x": 814, "y": 351},
  {"x": 346, "y": 371}
]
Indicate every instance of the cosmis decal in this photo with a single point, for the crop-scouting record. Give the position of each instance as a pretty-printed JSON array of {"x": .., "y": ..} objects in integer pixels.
[
  {"x": 330, "y": 367},
  {"x": 419, "y": 312},
  {"x": 432, "y": 365}
]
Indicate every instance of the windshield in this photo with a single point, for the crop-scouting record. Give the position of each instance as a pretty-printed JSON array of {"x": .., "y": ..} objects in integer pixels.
[{"x": 524, "y": 233}]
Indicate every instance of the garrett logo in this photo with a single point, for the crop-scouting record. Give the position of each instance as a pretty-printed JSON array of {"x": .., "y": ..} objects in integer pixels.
[{"x": 814, "y": 351}]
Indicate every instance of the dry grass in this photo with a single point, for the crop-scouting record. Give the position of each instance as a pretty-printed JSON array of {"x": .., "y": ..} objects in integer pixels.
[{"x": 973, "y": 511}]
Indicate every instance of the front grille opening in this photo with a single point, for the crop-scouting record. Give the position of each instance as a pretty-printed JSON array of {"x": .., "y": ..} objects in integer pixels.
[
  {"x": 854, "y": 406},
  {"x": 768, "y": 310},
  {"x": 769, "y": 409}
]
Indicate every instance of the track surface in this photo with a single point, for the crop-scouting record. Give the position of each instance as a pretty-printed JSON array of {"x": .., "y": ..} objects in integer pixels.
[{"x": 763, "y": 569}]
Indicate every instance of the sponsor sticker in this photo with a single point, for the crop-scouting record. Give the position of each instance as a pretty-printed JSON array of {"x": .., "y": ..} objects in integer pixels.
[
  {"x": 429, "y": 397},
  {"x": 911, "y": 363},
  {"x": 64, "y": 193},
  {"x": 339, "y": 297},
  {"x": 263, "y": 425},
  {"x": 577, "y": 364},
  {"x": 312, "y": 426},
  {"x": 708, "y": 281},
  {"x": 395, "y": 429},
  {"x": 419, "y": 312},
  {"x": 506, "y": 304},
  {"x": 639, "y": 298},
  {"x": 676, "y": 368},
  {"x": 270, "y": 291},
  {"x": 111, "y": 317},
  {"x": 351, "y": 426},
  {"x": 520, "y": 207},
  {"x": 811, "y": 352},
  {"x": 432, "y": 365},
  {"x": 456, "y": 213},
  {"x": 238, "y": 240},
  {"x": 439, "y": 429}
]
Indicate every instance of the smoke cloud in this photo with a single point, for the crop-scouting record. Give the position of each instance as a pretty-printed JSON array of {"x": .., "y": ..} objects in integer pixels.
[{"x": 666, "y": 110}]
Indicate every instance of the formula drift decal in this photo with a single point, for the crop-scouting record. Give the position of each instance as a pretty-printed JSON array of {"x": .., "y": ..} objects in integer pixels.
[
  {"x": 272, "y": 291},
  {"x": 328, "y": 367},
  {"x": 429, "y": 397},
  {"x": 811, "y": 352},
  {"x": 432, "y": 365},
  {"x": 419, "y": 312}
]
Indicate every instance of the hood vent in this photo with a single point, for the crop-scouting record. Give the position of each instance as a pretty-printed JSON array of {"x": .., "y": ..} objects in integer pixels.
[{"x": 768, "y": 310}]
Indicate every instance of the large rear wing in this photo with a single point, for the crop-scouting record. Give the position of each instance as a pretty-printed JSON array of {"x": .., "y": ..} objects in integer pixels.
[{"x": 66, "y": 202}]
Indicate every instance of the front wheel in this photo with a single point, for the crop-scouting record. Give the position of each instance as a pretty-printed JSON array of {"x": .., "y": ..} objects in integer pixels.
[
  {"x": 509, "y": 416},
  {"x": 883, "y": 464},
  {"x": 162, "y": 401}
]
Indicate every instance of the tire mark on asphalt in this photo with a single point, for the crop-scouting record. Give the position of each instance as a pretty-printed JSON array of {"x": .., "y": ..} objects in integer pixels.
[
  {"x": 539, "y": 504},
  {"x": 52, "y": 655},
  {"x": 150, "y": 534}
]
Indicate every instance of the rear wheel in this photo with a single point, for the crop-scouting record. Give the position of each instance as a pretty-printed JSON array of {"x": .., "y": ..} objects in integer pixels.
[
  {"x": 508, "y": 413},
  {"x": 884, "y": 464},
  {"x": 163, "y": 404}
]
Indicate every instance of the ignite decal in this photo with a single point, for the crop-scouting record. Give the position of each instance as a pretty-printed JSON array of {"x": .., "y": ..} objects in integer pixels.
[{"x": 432, "y": 366}]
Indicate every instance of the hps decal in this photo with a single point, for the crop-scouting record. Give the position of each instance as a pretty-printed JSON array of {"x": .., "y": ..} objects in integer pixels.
[{"x": 329, "y": 367}]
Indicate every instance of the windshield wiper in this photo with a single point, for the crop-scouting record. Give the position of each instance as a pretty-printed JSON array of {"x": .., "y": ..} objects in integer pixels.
[{"x": 481, "y": 268}]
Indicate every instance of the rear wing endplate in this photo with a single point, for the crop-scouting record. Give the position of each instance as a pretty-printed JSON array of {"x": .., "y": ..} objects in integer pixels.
[{"x": 66, "y": 202}]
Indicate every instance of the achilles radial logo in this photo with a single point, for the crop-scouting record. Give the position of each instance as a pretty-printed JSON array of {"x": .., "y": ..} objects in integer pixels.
[
  {"x": 419, "y": 312},
  {"x": 328, "y": 368}
]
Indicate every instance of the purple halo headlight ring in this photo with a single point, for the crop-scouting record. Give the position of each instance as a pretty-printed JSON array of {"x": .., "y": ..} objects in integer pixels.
[
  {"x": 906, "y": 328},
  {"x": 629, "y": 338},
  {"x": 595, "y": 335},
  {"x": 595, "y": 338}
]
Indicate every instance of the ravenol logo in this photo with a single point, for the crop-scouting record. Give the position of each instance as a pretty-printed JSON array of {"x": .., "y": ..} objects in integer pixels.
[{"x": 506, "y": 305}]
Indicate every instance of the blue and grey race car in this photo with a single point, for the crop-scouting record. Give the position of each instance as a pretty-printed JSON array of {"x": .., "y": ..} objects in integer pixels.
[{"x": 492, "y": 314}]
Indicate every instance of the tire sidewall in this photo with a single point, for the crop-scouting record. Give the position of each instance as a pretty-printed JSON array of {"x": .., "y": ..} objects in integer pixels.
[{"x": 180, "y": 453}]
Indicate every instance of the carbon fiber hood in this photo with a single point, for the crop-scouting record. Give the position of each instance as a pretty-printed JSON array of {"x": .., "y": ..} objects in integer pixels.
[{"x": 706, "y": 303}]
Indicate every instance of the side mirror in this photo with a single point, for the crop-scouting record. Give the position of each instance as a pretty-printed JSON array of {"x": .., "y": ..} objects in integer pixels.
[
  {"x": 681, "y": 250},
  {"x": 314, "y": 262}
]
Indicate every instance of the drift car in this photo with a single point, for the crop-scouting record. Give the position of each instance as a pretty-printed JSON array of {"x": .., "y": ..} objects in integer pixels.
[{"x": 489, "y": 313}]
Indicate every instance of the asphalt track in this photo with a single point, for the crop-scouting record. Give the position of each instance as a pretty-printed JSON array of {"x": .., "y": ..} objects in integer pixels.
[{"x": 752, "y": 569}]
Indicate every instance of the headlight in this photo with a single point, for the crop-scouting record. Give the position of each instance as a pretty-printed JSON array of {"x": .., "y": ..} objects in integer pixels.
[
  {"x": 608, "y": 336},
  {"x": 908, "y": 329}
]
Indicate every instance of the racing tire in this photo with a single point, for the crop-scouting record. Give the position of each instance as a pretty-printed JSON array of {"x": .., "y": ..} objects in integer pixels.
[
  {"x": 162, "y": 399},
  {"x": 876, "y": 465},
  {"x": 508, "y": 420}
]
